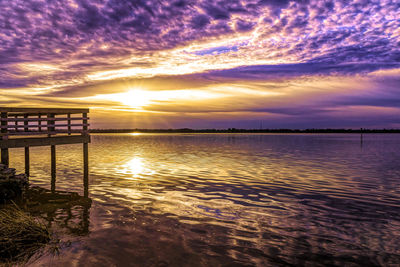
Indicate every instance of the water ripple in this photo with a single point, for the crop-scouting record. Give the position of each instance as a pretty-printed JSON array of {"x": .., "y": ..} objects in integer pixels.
[{"x": 239, "y": 199}]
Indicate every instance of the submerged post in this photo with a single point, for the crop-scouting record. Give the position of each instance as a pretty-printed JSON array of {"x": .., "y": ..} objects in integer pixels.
[
  {"x": 53, "y": 168},
  {"x": 4, "y": 130}
]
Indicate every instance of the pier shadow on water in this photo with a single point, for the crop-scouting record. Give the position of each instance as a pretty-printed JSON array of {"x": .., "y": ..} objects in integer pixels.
[
  {"x": 66, "y": 210},
  {"x": 64, "y": 214}
]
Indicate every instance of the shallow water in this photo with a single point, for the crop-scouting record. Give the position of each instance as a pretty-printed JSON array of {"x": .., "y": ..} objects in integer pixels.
[{"x": 226, "y": 200}]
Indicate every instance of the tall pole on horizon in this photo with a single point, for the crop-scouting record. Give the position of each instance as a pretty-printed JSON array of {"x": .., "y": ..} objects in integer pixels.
[{"x": 361, "y": 136}]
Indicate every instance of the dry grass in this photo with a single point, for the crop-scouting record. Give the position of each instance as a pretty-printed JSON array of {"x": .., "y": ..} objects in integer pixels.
[{"x": 20, "y": 235}]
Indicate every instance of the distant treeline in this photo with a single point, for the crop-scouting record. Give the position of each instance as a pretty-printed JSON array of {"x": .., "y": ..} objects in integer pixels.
[{"x": 235, "y": 130}]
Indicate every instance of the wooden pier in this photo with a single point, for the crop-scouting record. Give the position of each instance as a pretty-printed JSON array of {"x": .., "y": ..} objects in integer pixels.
[{"x": 27, "y": 127}]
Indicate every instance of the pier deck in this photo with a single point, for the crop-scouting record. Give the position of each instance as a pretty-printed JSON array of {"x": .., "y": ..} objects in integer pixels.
[{"x": 26, "y": 127}]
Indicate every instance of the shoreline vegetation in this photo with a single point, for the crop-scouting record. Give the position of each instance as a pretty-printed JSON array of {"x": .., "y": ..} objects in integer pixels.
[
  {"x": 23, "y": 232},
  {"x": 21, "y": 235},
  {"x": 235, "y": 130},
  {"x": 26, "y": 223}
]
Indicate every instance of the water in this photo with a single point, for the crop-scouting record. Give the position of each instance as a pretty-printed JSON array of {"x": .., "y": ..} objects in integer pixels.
[{"x": 227, "y": 200}]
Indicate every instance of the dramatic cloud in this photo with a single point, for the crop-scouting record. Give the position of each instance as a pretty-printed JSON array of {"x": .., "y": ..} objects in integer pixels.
[{"x": 309, "y": 61}]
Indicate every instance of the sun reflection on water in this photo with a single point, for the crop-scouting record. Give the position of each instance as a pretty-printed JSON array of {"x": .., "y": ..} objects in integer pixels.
[
  {"x": 136, "y": 167},
  {"x": 269, "y": 197}
]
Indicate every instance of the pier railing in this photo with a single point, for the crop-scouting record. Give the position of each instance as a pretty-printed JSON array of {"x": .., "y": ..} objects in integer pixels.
[
  {"x": 35, "y": 121},
  {"x": 26, "y": 127}
]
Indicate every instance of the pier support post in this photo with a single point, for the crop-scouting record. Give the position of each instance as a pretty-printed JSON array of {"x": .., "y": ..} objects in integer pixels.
[
  {"x": 27, "y": 161},
  {"x": 53, "y": 168},
  {"x": 4, "y": 151},
  {"x": 86, "y": 169},
  {"x": 4, "y": 156}
]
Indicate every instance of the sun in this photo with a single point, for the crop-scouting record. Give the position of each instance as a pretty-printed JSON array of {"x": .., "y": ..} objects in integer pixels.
[
  {"x": 135, "y": 166},
  {"x": 135, "y": 98}
]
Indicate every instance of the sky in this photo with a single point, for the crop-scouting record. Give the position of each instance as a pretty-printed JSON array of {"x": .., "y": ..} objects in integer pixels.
[{"x": 205, "y": 64}]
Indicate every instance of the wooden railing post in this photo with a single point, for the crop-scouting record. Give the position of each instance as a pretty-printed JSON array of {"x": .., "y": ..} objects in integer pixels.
[
  {"x": 50, "y": 123},
  {"x": 85, "y": 122},
  {"x": 69, "y": 123},
  {"x": 26, "y": 127},
  {"x": 16, "y": 122},
  {"x": 4, "y": 131},
  {"x": 40, "y": 122},
  {"x": 4, "y": 122}
]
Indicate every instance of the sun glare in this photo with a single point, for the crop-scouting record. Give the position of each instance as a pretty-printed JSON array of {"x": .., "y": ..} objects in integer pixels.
[
  {"x": 139, "y": 98},
  {"x": 136, "y": 167},
  {"x": 135, "y": 98}
]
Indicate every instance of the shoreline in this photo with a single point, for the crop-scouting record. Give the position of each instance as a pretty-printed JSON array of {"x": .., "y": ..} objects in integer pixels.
[{"x": 234, "y": 130}]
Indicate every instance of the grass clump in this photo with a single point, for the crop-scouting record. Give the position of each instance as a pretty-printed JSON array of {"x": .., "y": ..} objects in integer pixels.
[{"x": 21, "y": 235}]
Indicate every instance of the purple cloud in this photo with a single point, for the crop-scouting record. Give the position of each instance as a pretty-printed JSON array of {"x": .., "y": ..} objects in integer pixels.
[
  {"x": 71, "y": 40},
  {"x": 49, "y": 30}
]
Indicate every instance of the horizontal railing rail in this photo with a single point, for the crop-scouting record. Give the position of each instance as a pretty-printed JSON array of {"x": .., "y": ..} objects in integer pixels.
[
  {"x": 43, "y": 110},
  {"x": 30, "y": 126},
  {"x": 40, "y": 119},
  {"x": 47, "y": 121},
  {"x": 41, "y": 133}
]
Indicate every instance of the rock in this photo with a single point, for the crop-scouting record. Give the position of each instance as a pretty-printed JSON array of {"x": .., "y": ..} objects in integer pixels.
[
  {"x": 7, "y": 173},
  {"x": 9, "y": 190},
  {"x": 11, "y": 185},
  {"x": 22, "y": 178}
]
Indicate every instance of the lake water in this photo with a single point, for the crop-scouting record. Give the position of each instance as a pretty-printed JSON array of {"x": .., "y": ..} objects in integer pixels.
[{"x": 226, "y": 200}]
